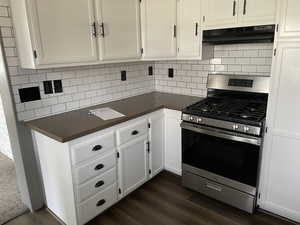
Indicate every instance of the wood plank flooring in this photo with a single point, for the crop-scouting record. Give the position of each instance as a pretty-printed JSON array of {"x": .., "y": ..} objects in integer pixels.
[{"x": 163, "y": 201}]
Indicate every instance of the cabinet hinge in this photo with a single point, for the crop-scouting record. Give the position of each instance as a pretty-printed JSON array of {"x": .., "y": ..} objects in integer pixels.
[
  {"x": 150, "y": 171},
  {"x": 149, "y": 125},
  {"x": 142, "y": 51},
  {"x": 275, "y": 51},
  {"x": 203, "y": 18},
  {"x": 259, "y": 196},
  {"x": 35, "y": 54},
  {"x": 266, "y": 130},
  {"x": 118, "y": 155},
  {"x": 277, "y": 27},
  {"x": 148, "y": 146},
  {"x": 120, "y": 192}
]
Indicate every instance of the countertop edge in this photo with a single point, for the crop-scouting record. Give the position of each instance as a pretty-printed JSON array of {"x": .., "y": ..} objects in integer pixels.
[{"x": 91, "y": 131}]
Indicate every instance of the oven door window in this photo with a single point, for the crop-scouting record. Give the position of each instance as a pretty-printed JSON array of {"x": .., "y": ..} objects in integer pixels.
[{"x": 231, "y": 159}]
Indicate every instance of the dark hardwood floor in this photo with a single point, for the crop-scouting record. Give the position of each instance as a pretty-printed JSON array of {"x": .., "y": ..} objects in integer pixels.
[{"x": 163, "y": 201}]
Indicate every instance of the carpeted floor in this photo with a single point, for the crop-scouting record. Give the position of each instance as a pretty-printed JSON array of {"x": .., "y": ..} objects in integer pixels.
[{"x": 11, "y": 205}]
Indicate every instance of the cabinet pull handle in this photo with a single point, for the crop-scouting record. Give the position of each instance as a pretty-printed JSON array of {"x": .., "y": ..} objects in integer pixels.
[
  {"x": 99, "y": 167},
  {"x": 99, "y": 184},
  {"x": 196, "y": 31},
  {"x": 135, "y": 132},
  {"x": 234, "y": 8},
  {"x": 102, "y": 30},
  {"x": 97, "y": 148},
  {"x": 214, "y": 187},
  {"x": 100, "y": 203},
  {"x": 245, "y": 6},
  {"x": 94, "y": 25},
  {"x": 175, "y": 31}
]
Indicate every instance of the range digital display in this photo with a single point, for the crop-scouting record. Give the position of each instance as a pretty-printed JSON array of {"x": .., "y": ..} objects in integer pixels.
[{"x": 240, "y": 83}]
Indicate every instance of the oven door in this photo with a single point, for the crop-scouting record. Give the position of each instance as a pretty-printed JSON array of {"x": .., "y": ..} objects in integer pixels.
[{"x": 221, "y": 155}]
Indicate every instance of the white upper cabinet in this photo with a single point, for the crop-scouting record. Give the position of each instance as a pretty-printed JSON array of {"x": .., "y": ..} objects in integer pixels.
[
  {"x": 119, "y": 29},
  {"x": 289, "y": 19},
  {"x": 159, "y": 28},
  {"x": 219, "y": 13},
  {"x": 280, "y": 180},
  {"x": 189, "y": 29},
  {"x": 60, "y": 32},
  {"x": 253, "y": 12}
]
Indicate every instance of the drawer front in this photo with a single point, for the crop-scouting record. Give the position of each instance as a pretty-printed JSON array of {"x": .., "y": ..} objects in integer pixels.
[
  {"x": 95, "y": 168},
  {"x": 131, "y": 132},
  {"x": 92, "y": 147},
  {"x": 97, "y": 204},
  {"x": 218, "y": 191},
  {"x": 96, "y": 185}
]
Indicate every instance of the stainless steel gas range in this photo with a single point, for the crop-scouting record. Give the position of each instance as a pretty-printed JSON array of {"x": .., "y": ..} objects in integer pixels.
[{"x": 222, "y": 137}]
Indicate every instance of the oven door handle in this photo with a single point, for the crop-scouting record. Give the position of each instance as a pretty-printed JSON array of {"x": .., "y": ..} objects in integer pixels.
[{"x": 221, "y": 134}]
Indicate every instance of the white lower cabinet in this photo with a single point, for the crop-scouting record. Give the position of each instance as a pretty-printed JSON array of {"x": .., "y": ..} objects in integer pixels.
[
  {"x": 173, "y": 141},
  {"x": 133, "y": 165},
  {"x": 157, "y": 143},
  {"x": 85, "y": 176}
]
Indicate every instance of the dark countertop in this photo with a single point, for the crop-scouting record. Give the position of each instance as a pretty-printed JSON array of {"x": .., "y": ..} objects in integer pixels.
[{"x": 71, "y": 125}]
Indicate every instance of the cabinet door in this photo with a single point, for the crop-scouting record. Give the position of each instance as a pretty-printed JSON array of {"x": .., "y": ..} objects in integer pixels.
[
  {"x": 119, "y": 29},
  {"x": 280, "y": 179},
  {"x": 189, "y": 29},
  {"x": 173, "y": 141},
  {"x": 257, "y": 12},
  {"x": 219, "y": 14},
  {"x": 289, "y": 18},
  {"x": 159, "y": 28},
  {"x": 63, "y": 31},
  {"x": 134, "y": 165},
  {"x": 157, "y": 143}
]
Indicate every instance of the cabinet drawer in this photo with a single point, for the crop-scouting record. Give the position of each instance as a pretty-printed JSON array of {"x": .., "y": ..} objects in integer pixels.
[
  {"x": 96, "y": 167},
  {"x": 97, "y": 204},
  {"x": 92, "y": 147},
  {"x": 97, "y": 184},
  {"x": 131, "y": 132},
  {"x": 218, "y": 191}
]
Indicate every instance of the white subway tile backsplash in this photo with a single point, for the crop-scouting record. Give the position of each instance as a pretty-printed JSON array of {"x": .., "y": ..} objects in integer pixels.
[{"x": 240, "y": 59}]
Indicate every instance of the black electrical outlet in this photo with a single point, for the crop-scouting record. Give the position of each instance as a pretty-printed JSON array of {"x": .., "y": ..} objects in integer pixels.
[
  {"x": 30, "y": 94},
  {"x": 58, "y": 86},
  {"x": 48, "y": 88},
  {"x": 150, "y": 70},
  {"x": 123, "y": 75},
  {"x": 171, "y": 72}
]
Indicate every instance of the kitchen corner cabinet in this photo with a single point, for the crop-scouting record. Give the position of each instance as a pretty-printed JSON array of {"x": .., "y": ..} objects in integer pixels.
[
  {"x": 171, "y": 29},
  {"x": 238, "y": 13},
  {"x": 280, "y": 179},
  {"x": 119, "y": 29},
  {"x": 289, "y": 26},
  {"x": 173, "y": 148},
  {"x": 159, "y": 28},
  {"x": 60, "y": 33},
  {"x": 189, "y": 41},
  {"x": 85, "y": 176}
]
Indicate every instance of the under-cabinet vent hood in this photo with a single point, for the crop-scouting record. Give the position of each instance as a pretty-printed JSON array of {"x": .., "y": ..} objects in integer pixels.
[{"x": 255, "y": 34}]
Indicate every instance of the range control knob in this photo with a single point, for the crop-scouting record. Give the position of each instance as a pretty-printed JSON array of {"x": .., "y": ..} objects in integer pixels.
[
  {"x": 246, "y": 129},
  {"x": 235, "y": 127}
]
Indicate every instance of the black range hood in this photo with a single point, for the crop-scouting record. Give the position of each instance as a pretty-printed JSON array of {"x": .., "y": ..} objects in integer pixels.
[{"x": 255, "y": 34}]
